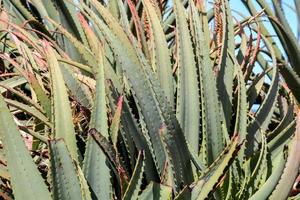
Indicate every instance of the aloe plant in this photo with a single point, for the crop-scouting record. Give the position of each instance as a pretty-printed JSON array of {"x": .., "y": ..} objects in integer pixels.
[{"x": 148, "y": 100}]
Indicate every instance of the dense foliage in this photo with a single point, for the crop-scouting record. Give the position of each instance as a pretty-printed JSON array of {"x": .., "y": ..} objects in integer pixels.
[{"x": 148, "y": 99}]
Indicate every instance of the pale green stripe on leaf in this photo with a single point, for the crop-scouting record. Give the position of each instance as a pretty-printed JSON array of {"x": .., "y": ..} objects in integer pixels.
[{"x": 115, "y": 124}]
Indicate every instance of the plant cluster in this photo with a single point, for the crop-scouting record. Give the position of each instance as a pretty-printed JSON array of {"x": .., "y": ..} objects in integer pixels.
[{"x": 148, "y": 99}]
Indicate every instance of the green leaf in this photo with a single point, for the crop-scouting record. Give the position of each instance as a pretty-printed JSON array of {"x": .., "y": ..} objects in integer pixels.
[
  {"x": 95, "y": 166},
  {"x": 26, "y": 180},
  {"x": 284, "y": 32},
  {"x": 36, "y": 86},
  {"x": 115, "y": 124},
  {"x": 36, "y": 135},
  {"x": 212, "y": 138},
  {"x": 277, "y": 143},
  {"x": 12, "y": 82},
  {"x": 137, "y": 79},
  {"x": 113, "y": 157},
  {"x": 264, "y": 114},
  {"x": 134, "y": 186},
  {"x": 161, "y": 55},
  {"x": 255, "y": 88},
  {"x": 113, "y": 7},
  {"x": 188, "y": 105},
  {"x": 47, "y": 9},
  {"x": 289, "y": 74},
  {"x": 76, "y": 65},
  {"x": 156, "y": 191},
  {"x": 209, "y": 180},
  {"x": 155, "y": 108},
  {"x": 77, "y": 45},
  {"x": 62, "y": 114},
  {"x": 27, "y": 16},
  {"x": 77, "y": 89},
  {"x": 95, "y": 161},
  {"x": 226, "y": 63},
  {"x": 66, "y": 180},
  {"x": 266, "y": 189},
  {"x": 287, "y": 117},
  {"x": 241, "y": 112},
  {"x": 123, "y": 17},
  {"x": 68, "y": 16},
  {"x": 130, "y": 127},
  {"x": 260, "y": 164},
  {"x": 30, "y": 110},
  {"x": 292, "y": 79},
  {"x": 290, "y": 171}
]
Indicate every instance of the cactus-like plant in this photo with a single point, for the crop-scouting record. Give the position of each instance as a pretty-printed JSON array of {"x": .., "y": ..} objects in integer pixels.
[{"x": 143, "y": 100}]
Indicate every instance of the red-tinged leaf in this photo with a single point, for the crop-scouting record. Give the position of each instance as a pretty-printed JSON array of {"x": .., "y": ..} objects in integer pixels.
[
  {"x": 136, "y": 21},
  {"x": 4, "y": 19}
]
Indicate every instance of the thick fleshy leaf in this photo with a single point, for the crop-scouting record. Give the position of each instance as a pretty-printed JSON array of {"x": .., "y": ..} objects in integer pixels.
[
  {"x": 26, "y": 180},
  {"x": 156, "y": 191},
  {"x": 212, "y": 138},
  {"x": 149, "y": 96},
  {"x": 226, "y": 63},
  {"x": 95, "y": 162},
  {"x": 263, "y": 116},
  {"x": 67, "y": 183},
  {"x": 30, "y": 110},
  {"x": 267, "y": 188},
  {"x": 12, "y": 82},
  {"x": 290, "y": 171},
  {"x": 188, "y": 105},
  {"x": 62, "y": 114},
  {"x": 161, "y": 55},
  {"x": 208, "y": 181}
]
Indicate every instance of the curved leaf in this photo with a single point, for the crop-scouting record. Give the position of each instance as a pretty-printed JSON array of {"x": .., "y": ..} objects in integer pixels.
[
  {"x": 161, "y": 55},
  {"x": 290, "y": 172},
  {"x": 188, "y": 105},
  {"x": 62, "y": 115}
]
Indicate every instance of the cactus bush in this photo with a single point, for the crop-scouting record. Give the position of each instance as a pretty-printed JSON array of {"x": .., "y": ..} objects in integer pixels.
[{"x": 148, "y": 99}]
